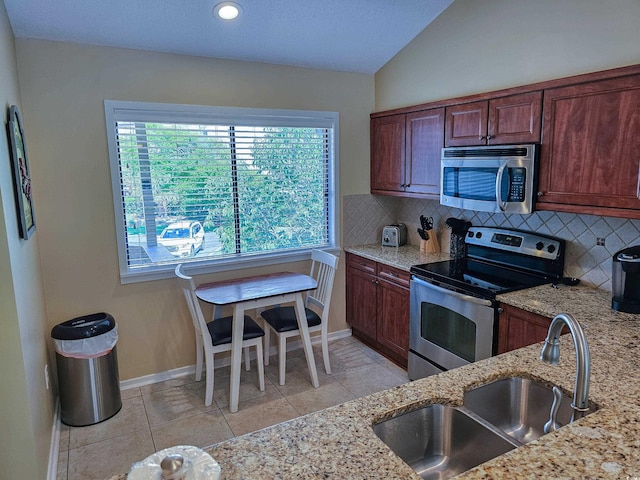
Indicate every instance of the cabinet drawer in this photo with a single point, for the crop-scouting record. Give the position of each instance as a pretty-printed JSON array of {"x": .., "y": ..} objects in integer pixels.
[
  {"x": 361, "y": 263},
  {"x": 394, "y": 275}
]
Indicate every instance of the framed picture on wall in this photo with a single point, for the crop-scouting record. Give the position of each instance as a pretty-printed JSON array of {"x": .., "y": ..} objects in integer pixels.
[{"x": 21, "y": 174}]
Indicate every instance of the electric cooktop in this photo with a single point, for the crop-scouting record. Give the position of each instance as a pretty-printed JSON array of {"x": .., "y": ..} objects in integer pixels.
[{"x": 498, "y": 260}]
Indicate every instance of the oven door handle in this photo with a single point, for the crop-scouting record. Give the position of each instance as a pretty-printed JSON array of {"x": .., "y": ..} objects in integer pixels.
[
  {"x": 502, "y": 204},
  {"x": 461, "y": 296}
]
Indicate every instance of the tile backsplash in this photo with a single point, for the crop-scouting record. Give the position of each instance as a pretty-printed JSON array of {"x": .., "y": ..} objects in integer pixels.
[{"x": 587, "y": 258}]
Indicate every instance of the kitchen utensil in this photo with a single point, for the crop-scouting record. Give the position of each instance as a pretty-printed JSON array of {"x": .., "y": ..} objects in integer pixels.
[
  {"x": 423, "y": 234},
  {"x": 459, "y": 227},
  {"x": 426, "y": 223}
]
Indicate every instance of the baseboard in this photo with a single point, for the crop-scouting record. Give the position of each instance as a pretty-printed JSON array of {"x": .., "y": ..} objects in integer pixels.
[
  {"x": 157, "y": 377},
  {"x": 224, "y": 362},
  {"x": 54, "y": 449}
]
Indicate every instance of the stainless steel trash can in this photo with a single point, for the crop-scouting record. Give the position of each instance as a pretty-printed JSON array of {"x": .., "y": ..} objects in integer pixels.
[{"x": 87, "y": 366}]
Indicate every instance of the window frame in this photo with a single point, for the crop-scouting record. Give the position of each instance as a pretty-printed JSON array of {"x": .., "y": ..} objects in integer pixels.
[{"x": 116, "y": 110}]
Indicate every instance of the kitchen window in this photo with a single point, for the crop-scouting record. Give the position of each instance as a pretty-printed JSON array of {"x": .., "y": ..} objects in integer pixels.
[{"x": 219, "y": 188}]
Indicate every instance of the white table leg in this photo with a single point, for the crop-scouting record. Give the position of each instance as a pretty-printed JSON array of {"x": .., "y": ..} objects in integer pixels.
[
  {"x": 306, "y": 339},
  {"x": 236, "y": 356}
]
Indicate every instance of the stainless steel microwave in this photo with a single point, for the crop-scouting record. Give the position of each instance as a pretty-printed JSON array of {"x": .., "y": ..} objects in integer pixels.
[{"x": 499, "y": 179}]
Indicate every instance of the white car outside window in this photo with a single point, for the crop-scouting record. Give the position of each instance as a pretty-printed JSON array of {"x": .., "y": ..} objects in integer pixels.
[{"x": 183, "y": 239}]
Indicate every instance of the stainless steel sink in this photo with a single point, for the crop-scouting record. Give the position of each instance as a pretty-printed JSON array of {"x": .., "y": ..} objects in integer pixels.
[
  {"x": 439, "y": 441},
  {"x": 517, "y": 406}
]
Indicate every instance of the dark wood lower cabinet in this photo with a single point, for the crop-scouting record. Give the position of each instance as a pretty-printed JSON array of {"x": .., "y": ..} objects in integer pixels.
[
  {"x": 378, "y": 306},
  {"x": 362, "y": 308},
  {"x": 518, "y": 328},
  {"x": 393, "y": 323}
]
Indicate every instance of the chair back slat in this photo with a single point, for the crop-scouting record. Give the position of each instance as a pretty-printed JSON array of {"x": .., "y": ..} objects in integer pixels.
[
  {"x": 189, "y": 291},
  {"x": 323, "y": 269}
]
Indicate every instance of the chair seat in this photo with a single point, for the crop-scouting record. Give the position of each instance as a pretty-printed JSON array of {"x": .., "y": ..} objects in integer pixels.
[
  {"x": 283, "y": 319},
  {"x": 220, "y": 330}
]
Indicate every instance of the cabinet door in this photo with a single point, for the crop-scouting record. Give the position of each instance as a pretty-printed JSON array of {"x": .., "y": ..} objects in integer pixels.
[
  {"x": 362, "y": 310},
  {"x": 425, "y": 139},
  {"x": 466, "y": 124},
  {"x": 393, "y": 320},
  {"x": 519, "y": 328},
  {"x": 388, "y": 153},
  {"x": 590, "y": 145},
  {"x": 515, "y": 119}
]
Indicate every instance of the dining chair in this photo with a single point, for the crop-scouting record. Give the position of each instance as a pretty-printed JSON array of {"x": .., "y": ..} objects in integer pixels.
[
  {"x": 282, "y": 320},
  {"x": 215, "y": 337}
]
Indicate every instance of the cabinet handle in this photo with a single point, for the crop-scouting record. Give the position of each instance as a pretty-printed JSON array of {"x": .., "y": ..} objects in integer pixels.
[
  {"x": 374, "y": 281},
  {"x": 481, "y": 137},
  {"x": 540, "y": 194},
  {"x": 489, "y": 137}
]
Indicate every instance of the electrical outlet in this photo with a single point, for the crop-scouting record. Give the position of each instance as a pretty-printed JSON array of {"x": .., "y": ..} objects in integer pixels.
[
  {"x": 600, "y": 241},
  {"x": 46, "y": 375}
]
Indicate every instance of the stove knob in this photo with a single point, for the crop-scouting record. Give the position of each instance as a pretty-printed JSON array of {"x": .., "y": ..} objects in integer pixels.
[
  {"x": 479, "y": 235},
  {"x": 551, "y": 248},
  {"x": 470, "y": 234},
  {"x": 539, "y": 246}
]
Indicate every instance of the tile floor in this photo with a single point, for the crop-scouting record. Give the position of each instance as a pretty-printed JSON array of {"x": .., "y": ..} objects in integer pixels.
[{"x": 170, "y": 413}]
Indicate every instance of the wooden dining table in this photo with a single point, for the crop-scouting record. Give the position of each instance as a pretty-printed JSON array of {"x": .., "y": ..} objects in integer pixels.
[{"x": 258, "y": 292}]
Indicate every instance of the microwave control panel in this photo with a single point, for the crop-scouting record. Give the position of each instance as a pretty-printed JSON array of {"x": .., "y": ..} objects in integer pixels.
[{"x": 517, "y": 189}]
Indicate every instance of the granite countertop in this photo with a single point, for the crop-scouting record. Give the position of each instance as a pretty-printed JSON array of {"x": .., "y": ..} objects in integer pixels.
[
  {"x": 339, "y": 442},
  {"x": 400, "y": 257}
]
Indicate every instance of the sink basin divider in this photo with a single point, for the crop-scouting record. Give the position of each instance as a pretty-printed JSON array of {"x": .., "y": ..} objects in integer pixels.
[{"x": 489, "y": 426}]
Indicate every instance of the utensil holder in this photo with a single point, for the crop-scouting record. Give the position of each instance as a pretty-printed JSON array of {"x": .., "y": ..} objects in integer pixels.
[
  {"x": 457, "y": 248},
  {"x": 431, "y": 245}
]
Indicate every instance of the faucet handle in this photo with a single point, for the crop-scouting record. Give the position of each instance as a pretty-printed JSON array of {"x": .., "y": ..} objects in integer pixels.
[{"x": 552, "y": 425}]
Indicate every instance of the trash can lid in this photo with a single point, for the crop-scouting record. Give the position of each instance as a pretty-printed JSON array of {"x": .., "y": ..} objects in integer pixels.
[{"x": 84, "y": 327}]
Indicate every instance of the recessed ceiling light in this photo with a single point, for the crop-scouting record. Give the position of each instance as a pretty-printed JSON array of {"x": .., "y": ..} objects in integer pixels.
[{"x": 227, "y": 10}]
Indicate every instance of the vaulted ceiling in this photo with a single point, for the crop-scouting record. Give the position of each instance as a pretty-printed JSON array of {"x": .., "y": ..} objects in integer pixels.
[{"x": 343, "y": 35}]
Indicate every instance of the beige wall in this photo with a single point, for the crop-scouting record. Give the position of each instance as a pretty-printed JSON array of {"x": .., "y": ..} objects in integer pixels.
[
  {"x": 483, "y": 45},
  {"x": 63, "y": 88},
  {"x": 26, "y": 407}
]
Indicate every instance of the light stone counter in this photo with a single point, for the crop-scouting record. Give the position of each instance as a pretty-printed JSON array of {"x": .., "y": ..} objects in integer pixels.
[
  {"x": 339, "y": 443},
  {"x": 400, "y": 257}
]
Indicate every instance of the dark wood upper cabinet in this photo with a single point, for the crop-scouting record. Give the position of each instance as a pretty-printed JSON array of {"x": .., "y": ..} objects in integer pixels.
[
  {"x": 466, "y": 124},
  {"x": 588, "y": 127},
  {"x": 424, "y": 140},
  {"x": 405, "y": 153},
  {"x": 515, "y": 119},
  {"x": 591, "y": 148},
  {"x": 388, "y": 153},
  {"x": 499, "y": 121}
]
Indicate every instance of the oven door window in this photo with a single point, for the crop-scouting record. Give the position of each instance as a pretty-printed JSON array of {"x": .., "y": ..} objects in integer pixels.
[{"x": 449, "y": 330}]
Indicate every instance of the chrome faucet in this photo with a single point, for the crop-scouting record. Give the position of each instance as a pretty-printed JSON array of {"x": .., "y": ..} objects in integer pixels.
[{"x": 551, "y": 354}]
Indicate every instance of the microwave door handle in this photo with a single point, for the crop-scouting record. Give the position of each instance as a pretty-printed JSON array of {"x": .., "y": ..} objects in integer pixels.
[
  {"x": 453, "y": 293},
  {"x": 500, "y": 202}
]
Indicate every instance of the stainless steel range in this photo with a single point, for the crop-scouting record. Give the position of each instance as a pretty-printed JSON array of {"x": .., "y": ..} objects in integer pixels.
[{"x": 453, "y": 317}]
